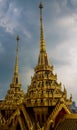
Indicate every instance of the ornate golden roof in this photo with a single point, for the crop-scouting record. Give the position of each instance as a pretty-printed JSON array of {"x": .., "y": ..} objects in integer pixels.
[
  {"x": 44, "y": 89},
  {"x": 45, "y": 105}
]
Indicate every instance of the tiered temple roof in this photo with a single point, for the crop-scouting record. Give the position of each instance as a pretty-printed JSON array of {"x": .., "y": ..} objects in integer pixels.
[
  {"x": 45, "y": 106},
  {"x": 44, "y": 89}
]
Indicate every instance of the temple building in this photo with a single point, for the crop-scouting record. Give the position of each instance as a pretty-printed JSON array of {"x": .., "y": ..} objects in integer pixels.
[{"x": 45, "y": 105}]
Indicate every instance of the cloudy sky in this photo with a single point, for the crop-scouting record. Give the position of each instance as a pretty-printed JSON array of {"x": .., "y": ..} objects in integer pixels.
[{"x": 21, "y": 17}]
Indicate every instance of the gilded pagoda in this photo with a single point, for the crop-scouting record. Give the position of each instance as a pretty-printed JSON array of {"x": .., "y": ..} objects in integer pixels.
[{"x": 45, "y": 106}]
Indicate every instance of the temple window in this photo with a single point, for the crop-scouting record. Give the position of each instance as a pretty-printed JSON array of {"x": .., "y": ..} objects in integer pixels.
[
  {"x": 41, "y": 100},
  {"x": 42, "y": 117},
  {"x": 47, "y": 72},
  {"x": 38, "y": 118},
  {"x": 42, "y": 92},
  {"x": 35, "y": 101},
  {"x": 48, "y": 82},
  {"x": 42, "y": 84}
]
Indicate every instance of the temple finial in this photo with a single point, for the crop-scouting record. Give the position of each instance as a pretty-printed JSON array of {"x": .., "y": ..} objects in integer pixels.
[
  {"x": 41, "y": 5},
  {"x": 42, "y": 41},
  {"x": 17, "y": 38}
]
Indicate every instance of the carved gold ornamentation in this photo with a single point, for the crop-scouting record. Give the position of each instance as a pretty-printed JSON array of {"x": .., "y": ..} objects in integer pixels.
[{"x": 45, "y": 105}]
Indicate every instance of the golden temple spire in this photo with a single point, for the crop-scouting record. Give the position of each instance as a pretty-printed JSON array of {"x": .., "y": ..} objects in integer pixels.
[
  {"x": 42, "y": 41},
  {"x": 15, "y": 93},
  {"x": 16, "y": 63},
  {"x": 43, "y": 58},
  {"x": 16, "y": 76}
]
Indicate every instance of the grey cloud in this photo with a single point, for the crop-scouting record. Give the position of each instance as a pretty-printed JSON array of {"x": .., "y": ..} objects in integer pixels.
[
  {"x": 60, "y": 63},
  {"x": 4, "y": 6},
  {"x": 74, "y": 3}
]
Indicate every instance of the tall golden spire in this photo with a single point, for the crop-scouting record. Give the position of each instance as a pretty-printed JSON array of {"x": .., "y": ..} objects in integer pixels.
[
  {"x": 42, "y": 41},
  {"x": 43, "y": 58}
]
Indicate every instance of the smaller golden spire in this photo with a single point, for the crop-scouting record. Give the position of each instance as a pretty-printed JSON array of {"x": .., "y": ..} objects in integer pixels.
[
  {"x": 16, "y": 79},
  {"x": 16, "y": 75},
  {"x": 16, "y": 63}
]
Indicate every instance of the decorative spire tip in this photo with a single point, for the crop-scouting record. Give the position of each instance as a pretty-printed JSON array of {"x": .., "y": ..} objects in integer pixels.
[
  {"x": 17, "y": 38},
  {"x": 41, "y": 5}
]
